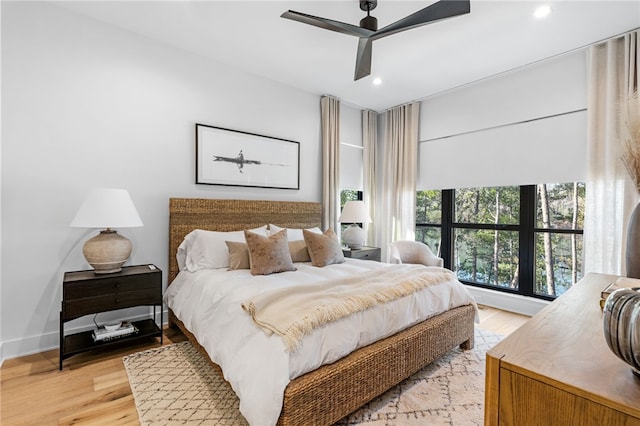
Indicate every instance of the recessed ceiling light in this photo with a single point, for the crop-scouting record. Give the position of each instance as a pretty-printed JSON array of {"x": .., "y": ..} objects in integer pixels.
[
  {"x": 542, "y": 11},
  {"x": 377, "y": 81}
]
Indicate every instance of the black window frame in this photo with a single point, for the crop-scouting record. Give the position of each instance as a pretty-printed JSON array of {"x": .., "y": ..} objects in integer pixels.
[{"x": 526, "y": 229}]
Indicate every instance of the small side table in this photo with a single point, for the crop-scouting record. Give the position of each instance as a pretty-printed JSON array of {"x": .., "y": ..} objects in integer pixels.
[
  {"x": 86, "y": 293},
  {"x": 365, "y": 253}
]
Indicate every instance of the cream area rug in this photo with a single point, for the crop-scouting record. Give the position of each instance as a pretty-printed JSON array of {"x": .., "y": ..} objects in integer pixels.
[{"x": 176, "y": 385}]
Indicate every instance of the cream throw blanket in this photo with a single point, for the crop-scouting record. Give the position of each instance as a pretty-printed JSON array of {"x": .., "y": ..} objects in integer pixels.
[{"x": 295, "y": 312}]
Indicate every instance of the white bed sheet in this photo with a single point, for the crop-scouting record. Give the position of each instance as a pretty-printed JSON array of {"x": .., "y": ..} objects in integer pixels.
[{"x": 257, "y": 365}]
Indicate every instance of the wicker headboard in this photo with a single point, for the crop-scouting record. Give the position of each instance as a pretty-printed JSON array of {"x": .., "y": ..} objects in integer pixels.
[{"x": 187, "y": 214}]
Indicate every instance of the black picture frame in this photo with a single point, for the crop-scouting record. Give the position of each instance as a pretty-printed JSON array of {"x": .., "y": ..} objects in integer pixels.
[{"x": 236, "y": 158}]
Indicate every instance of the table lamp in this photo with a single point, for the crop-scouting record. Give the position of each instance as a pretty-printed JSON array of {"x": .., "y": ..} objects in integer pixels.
[
  {"x": 107, "y": 208},
  {"x": 354, "y": 212}
]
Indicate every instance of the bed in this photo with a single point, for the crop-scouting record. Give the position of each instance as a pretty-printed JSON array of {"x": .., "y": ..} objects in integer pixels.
[{"x": 332, "y": 391}]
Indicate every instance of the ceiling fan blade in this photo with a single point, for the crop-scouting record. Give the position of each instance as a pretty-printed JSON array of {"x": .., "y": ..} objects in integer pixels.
[
  {"x": 442, "y": 9},
  {"x": 327, "y": 24},
  {"x": 363, "y": 58}
]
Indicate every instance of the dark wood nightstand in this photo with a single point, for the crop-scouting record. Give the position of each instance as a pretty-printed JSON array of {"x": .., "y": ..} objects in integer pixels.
[
  {"x": 85, "y": 293},
  {"x": 365, "y": 253}
]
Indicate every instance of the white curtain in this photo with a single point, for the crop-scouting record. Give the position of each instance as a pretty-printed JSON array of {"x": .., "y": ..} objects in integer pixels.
[
  {"x": 400, "y": 164},
  {"x": 369, "y": 143},
  {"x": 330, "y": 117},
  {"x": 610, "y": 193}
]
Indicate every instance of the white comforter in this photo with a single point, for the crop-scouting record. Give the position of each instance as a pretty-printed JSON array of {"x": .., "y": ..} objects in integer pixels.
[{"x": 258, "y": 366}]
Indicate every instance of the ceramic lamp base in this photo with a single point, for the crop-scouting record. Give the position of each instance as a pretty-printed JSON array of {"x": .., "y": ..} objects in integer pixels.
[
  {"x": 354, "y": 236},
  {"x": 107, "y": 252}
]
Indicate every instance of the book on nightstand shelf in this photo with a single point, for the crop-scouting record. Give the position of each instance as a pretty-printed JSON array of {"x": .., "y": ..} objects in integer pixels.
[
  {"x": 622, "y": 282},
  {"x": 102, "y": 334}
]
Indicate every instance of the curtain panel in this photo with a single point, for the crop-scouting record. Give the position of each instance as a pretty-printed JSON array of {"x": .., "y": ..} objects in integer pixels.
[
  {"x": 369, "y": 143},
  {"x": 613, "y": 75},
  {"x": 330, "y": 118},
  {"x": 400, "y": 166}
]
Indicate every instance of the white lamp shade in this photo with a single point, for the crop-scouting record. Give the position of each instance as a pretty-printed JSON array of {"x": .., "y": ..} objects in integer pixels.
[
  {"x": 354, "y": 212},
  {"x": 107, "y": 208}
]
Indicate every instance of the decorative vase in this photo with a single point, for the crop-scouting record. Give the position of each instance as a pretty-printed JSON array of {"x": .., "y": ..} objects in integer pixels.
[
  {"x": 632, "y": 256},
  {"x": 622, "y": 326}
]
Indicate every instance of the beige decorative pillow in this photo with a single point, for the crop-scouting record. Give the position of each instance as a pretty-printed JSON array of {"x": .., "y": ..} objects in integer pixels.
[
  {"x": 324, "y": 249},
  {"x": 299, "y": 252},
  {"x": 238, "y": 255},
  {"x": 268, "y": 255}
]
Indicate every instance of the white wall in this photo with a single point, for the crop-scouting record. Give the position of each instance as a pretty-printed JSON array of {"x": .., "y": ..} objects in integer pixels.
[
  {"x": 88, "y": 105},
  {"x": 483, "y": 134}
]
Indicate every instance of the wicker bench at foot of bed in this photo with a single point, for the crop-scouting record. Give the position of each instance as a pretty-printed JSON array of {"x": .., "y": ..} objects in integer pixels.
[{"x": 326, "y": 395}]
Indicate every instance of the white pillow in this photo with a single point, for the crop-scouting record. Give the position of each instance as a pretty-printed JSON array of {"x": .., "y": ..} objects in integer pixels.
[
  {"x": 293, "y": 234},
  {"x": 202, "y": 249}
]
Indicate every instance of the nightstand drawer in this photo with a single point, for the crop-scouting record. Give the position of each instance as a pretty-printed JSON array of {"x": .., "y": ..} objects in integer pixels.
[
  {"x": 84, "y": 306},
  {"x": 107, "y": 286},
  {"x": 365, "y": 253}
]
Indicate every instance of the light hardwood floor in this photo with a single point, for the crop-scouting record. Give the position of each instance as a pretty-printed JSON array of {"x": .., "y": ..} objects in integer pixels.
[{"x": 93, "y": 388}]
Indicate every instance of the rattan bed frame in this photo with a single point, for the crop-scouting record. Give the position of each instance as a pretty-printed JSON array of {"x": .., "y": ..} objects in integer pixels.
[{"x": 325, "y": 395}]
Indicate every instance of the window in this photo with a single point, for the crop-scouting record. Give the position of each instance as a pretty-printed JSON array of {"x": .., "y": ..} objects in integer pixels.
[
  {"x": 521, "y": 239},
  {"x": 486, "y": 235},
  {"x": 349, "y": 195},
  {"x": 558, "y": 237},
  {"x": 429, "y": 219}
]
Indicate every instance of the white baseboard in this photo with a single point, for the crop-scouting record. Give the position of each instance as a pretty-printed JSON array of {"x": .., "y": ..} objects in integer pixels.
[
  {"x": 506, "y": 301},
  {"x": 31, "y": 345},
  {"x": 49, "y": 341}
]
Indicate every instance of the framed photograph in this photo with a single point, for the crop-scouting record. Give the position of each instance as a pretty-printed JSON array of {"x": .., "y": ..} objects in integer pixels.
[{"x": 235, "y": 158}]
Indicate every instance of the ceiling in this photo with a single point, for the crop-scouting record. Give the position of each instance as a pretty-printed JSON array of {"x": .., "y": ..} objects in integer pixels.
[{"x": 497, "y": 36}]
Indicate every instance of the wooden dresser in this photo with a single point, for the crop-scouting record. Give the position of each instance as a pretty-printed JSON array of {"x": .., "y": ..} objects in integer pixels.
[{"x": 557, "y": 369}]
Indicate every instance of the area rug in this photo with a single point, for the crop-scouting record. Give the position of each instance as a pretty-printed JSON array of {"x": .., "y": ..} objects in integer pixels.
[{"x": 176, "y": 385}]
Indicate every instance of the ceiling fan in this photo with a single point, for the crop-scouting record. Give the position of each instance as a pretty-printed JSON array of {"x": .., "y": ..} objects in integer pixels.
[{"x": 368, "y": 31}]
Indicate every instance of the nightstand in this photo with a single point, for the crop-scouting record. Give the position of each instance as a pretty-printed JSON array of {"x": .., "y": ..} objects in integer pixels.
[
  {"x": 86, "y": 293},
  {"x": 365, "y": 253}
]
